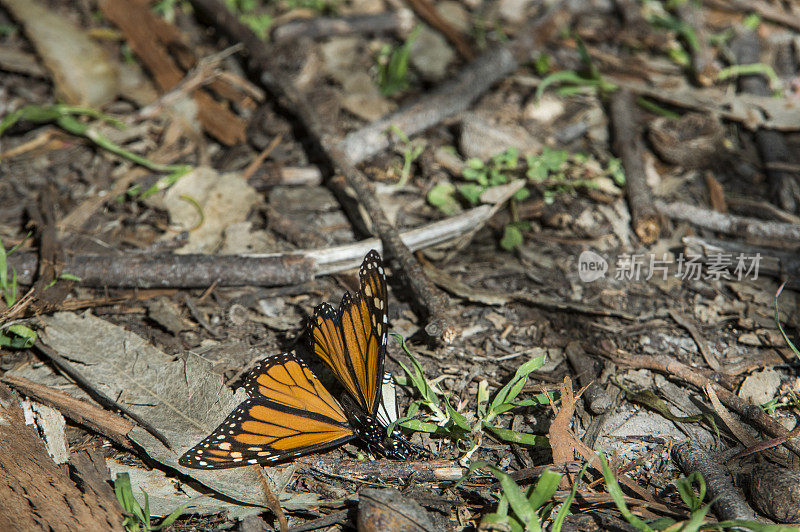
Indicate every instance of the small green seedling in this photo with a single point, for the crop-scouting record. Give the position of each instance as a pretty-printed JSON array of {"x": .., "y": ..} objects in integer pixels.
[
  {"x": 443, "y": 197},
  {"x": 411, "y": 151},
  {"x": 393, "y": 73},
  {"x": 735, "y": 71},
  {"x": 138, "y": 519},
  {"x": 552, "y": 172},
  {"x": 444, "y": 420},
  {"x": 249, "y": 13}
]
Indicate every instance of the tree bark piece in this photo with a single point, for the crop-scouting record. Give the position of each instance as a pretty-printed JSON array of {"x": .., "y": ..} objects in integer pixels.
[
  {"x": 629, "y": 147},
  {"x": 110, "y": 425},
  {"x": 35, "y": 494},
  {"x": 141, "y": 29}
]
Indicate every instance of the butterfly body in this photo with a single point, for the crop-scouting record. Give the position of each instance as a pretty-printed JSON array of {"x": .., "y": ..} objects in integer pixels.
[{"x": 289, "y": 412}]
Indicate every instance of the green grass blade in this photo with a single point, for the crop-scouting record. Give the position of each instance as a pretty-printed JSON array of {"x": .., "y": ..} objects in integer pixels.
[
  {"x": 521, "y": 438},
  {"x": 546, "y": 486},
  {"x": 619, "y": 498},
  {"x": 564, "y": 511},
  {"x": 517, "y": 499}
]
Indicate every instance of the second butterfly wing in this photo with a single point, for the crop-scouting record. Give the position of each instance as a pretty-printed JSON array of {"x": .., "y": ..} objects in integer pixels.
[
  {"x": 352, "y": 340},
  {"x": 289, "y": 413}
]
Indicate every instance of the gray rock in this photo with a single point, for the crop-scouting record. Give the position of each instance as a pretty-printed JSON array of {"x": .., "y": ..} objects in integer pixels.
[
  {"x": 513, "y": 10},
  {"x": 431, "y": 55}
]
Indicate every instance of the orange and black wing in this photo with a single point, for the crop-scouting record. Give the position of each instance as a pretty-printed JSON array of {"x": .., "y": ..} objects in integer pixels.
[
  {"x": 352, "y": 341},
  {"x": 289, "y": 413}
]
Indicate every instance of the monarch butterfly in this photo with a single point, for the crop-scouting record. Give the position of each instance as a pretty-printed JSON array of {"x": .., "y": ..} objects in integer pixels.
[{"x": 289, "y": 412}]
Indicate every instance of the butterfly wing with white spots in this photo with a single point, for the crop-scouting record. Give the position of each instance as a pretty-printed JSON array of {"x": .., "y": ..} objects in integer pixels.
[{"x": 289, "y": 413}]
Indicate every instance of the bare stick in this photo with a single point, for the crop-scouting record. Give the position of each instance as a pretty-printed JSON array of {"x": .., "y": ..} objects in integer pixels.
[
  {"x": 315, "y": 28},
  {"x": 776, "y": 232},
  {"x": 629, "y": 146},
  {"x": 275, "y": 269}
]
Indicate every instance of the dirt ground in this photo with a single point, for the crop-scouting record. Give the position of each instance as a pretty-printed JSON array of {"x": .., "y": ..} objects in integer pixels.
[{"x": 601, "y": 203}]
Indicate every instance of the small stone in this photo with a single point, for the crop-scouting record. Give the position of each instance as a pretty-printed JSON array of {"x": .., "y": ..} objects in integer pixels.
[
  {"x": 761, "y": 386},
  {"x": 362, "y": 97},
  {"x": 339, "y": 55},
  {"x": 749, "y": 339},
  {"x": 455, "y": 14},
  {"x": 513, "y": 10},
  {"x": 546, "y": 110},
  {"x": 431, "y": 55}
]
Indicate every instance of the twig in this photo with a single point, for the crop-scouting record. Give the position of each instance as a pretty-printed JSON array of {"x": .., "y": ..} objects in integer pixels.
[
  {"x": 748, "y": 411},
  {"x": 427, "y": 12},
  {"x": 728, "y": 503},
  {"x": 178, "y": 271},
  {"x": 108, "y": 424},
  {"x": 372, "y": 24},
  {"x": 277, "y": 269},
  {"x": 629, "y": 146},
  {"x": 272, "y": 501},
  {"x": 775, "y": 232},
  {"x": 711, "y": 359},
  {"x": 784, "y": 187},
  {"x": 258, "y": 161},
  {"x": 422, "y": 471}
]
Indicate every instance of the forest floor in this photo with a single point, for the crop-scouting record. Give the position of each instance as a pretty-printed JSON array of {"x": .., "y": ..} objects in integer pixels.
[{"x": 601, "y": 203}]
